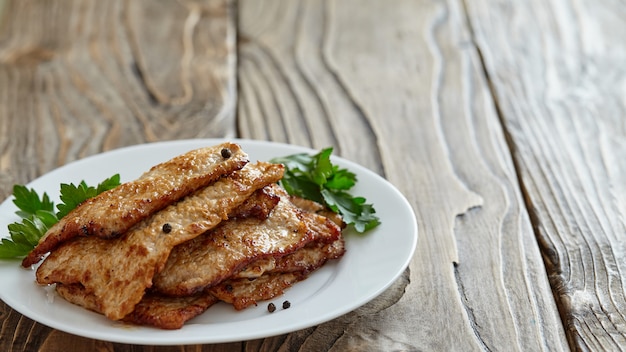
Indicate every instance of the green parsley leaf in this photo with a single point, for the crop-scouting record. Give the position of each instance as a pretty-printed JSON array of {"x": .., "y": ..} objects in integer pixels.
[
  {"x": 13, "y": 249},
  {"x": 28, "y": 231},
  {"x": 37, "y": 214},
  {"x": 72, "y": 195},
  {"x": 108, "y": 184},
  {"x": 24, "y": 236},
  {"x": 314, "y": 177},
  {"x": 321, "y": 167},
  {"x": 28, "y": 201},
  {"x": 341, "y": 179},
  {"x": 353, "y": 209},
  {"x": 303, "y": 187}
]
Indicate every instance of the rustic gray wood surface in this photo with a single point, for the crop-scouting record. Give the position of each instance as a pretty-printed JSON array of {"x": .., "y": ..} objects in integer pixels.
[
  {"x": 500, "y": 121},
  {"x": 560, "y": 87}
]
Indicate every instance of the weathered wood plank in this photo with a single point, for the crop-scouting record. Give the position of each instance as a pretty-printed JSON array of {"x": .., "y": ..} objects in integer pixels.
[
  {"x": 559, "y": 85},
  {"x": 282, "y": 58},
  {"x": 93, "y": 78},
  {"x": 82, "y": 77},
  {"x": 399, "y": 87}
]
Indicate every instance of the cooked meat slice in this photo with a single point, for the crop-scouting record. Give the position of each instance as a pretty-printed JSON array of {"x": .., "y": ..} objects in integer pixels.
[
  {"x": 323, "y": 229},
  {"x": 114, "y": 212},
  {"x": 169, "y": 312},
  {"x": 77, "y": 294},
  {"x": 305, "y": 260},
  {"x": 156, "y": 310},
  {"x": 259, "y": 205},
  {"x": 117, "y": 271},
  {"x": 216, "y": 255},
  {"x": 334, "y": 217},
  {"x": 242, "y": 293},
  {"x": 310, "y": 257},
  {"x": 306, "y": 204},
  {"x": 315, "y": 207},
  {"x": 259, "y": 267}
]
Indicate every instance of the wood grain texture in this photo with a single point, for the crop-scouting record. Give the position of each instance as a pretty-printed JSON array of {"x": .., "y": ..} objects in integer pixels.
[
  {"x": 406, "y": 97},
  {"x": 81, "y": 77},
  {"x": 560, "y": 86},
  {"x": 432, "y": 95}
]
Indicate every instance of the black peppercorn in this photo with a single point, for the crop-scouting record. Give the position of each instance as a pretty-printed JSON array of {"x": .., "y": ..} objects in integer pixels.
[
  {"x": 167, "y": 228},
  {"x": 286, "y": 304},
  {"x": 226, "y": 153},
  {"x": 271, "y": 307}
]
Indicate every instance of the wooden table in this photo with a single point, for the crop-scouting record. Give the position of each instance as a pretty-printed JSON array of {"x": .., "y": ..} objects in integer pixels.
[{"x": 503, "y": 122}]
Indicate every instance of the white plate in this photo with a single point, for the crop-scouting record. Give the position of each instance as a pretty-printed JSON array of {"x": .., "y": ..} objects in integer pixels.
[{"x": 371, "y": 264}]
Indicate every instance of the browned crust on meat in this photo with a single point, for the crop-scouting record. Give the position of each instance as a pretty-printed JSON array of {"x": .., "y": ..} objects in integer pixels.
[
  {"x": 286, "y": 271},
  {"x": 215, "y": 255},
  {"x": 306, "y": 204},
  {"x": 259, "y": 205},
  {"x": 218, "y": 254},
  {"x": 169, "y": 312},
  {"x": 77, "y": 294},
  {"x": 258, "y": 268},
  {"x": 155, "y": 310},
  {"x": 114, "y": 212},
  {"x": 304, "y": 260},
  {"x": 310, "y": 258},
  {"x": 322, "y": 229},
  {"x": 243, "y": 293},
  {"x": 117, "y": 271},
  {"x": 317, "y": 208}
]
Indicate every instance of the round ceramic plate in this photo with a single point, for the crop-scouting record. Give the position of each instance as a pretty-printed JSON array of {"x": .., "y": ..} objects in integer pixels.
[{"x": 371, "y": 264}]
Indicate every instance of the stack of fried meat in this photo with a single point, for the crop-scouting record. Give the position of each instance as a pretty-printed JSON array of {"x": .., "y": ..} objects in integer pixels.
[{"x": 203, "y": 227}]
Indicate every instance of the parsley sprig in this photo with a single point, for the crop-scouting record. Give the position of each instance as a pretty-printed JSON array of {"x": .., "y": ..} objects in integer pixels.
[
  {"x": 38, "y": 215},
  {"x": 316, "y": 178}
]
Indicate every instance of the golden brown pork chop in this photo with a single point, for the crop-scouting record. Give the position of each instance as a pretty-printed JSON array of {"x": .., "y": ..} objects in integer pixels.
[
  {"x": 317, "y": 208},
  {"x": 243, "y": 290},
  {"x": 114, "y": 212},
  {"x": 156, "y": 310},
  {"x": 169, "y": 312},
  {"x": 172, "y": 312},
  {"x": 304, "y": 260},
  {"x": 117, "y": 271},
  {"x": 259, "y": 205},
  {"x": 76, "y": 294},
  {"x": 243, "y": 293},
  {"x": 216, "y": 255}
]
